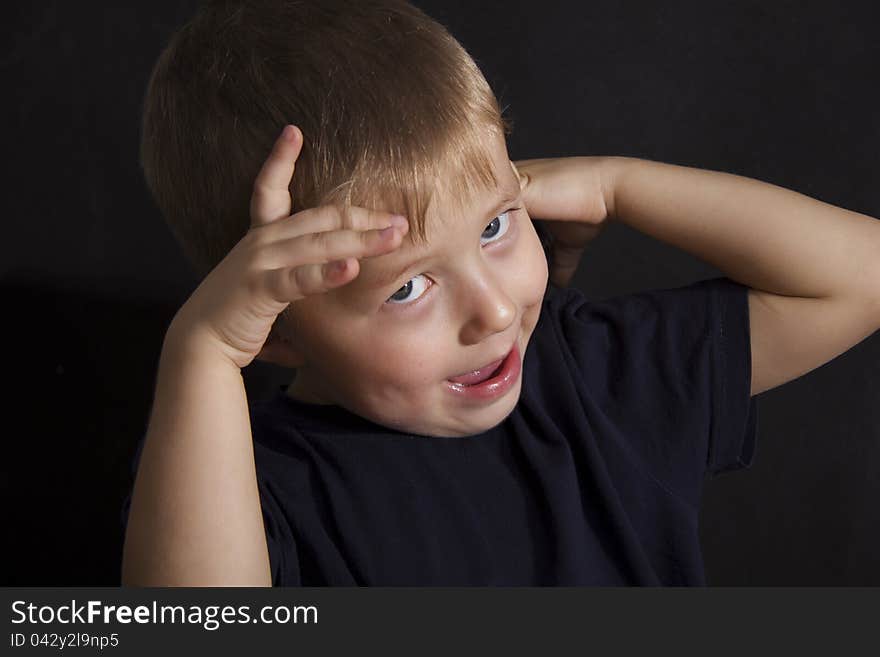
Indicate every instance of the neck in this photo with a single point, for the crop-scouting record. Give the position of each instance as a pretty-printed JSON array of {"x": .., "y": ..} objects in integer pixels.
[{"x": 300, "y": 390}]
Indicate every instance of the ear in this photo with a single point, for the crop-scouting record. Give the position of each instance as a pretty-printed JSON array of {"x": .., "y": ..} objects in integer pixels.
[{"x": 280, "y": 351}]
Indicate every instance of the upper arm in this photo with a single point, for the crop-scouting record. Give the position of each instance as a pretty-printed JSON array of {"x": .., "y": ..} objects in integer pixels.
[{"x": 791, "y": 336}]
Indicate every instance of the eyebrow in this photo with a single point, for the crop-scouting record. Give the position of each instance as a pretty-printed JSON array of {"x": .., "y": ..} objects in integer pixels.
[{"x": 387, "y": 278}]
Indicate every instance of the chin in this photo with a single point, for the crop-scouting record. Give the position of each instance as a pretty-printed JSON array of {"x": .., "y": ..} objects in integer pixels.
[{"x": 495, "y": 414}]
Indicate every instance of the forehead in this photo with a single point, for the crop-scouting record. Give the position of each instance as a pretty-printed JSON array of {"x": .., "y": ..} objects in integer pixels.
[
  {"x": 447, "y": 201},
  {"x": 450, "y": 211},
  {"x": 449, "y": 223},
  {"x": 453, "y": 222}
]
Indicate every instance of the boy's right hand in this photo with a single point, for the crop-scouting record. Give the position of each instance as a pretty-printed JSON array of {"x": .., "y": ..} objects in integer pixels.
[{"x": 282, "y": 258}]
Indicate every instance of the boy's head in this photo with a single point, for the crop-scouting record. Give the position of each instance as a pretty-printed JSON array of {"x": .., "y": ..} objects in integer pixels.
[{"x": 395, "y": 116}]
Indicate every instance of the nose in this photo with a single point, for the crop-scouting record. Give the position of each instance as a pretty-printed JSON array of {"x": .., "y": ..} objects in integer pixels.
[{"x": 488, "y": 309}]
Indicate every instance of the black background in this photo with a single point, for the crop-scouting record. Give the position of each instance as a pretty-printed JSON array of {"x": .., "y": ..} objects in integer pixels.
[{"x": 785, "y": 92}]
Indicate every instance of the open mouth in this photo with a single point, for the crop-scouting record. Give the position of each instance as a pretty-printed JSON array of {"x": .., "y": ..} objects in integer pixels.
[
  {"x": 483, "y": 374},
  {"x": 490, "y": 382}
]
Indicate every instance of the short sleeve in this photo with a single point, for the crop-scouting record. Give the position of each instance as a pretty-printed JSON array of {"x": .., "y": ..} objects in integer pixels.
[
  {"x": 670, "y": 371},
  {"x": 279, "y": 541},
  {"x": 283, "y": 561},
  {"x": 734, "y": 426}
]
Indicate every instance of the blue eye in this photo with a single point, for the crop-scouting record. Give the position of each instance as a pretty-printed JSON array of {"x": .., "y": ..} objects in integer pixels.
[
  {"x": 402, "y": 295},
  {"x": 498, "y": 226},
  {"x": 496, "y": 229}
]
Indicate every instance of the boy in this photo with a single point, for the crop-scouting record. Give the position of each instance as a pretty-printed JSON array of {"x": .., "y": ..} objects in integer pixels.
[{"x": 453, "y": 420}]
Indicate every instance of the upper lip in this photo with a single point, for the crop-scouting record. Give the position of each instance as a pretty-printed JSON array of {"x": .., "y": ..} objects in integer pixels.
[{"x": 487, "y": 364}]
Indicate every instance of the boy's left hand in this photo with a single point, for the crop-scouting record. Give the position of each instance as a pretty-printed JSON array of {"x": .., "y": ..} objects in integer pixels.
[{"x": 569, "y": 195}]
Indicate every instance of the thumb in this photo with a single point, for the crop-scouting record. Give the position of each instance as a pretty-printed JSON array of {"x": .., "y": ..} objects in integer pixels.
[
  {"x": 563, "y": 263},
  {"x": 529, "y": 183},
  {"x": 271, "y": 196},
  {"x": 522, "y": 179},
  {"x": 279, "y": 351}
]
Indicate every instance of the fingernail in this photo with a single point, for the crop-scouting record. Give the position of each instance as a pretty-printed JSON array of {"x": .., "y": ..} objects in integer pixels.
[
  {"x": 386, "y": 232},
  {"x": 336, "y": 267},
  {"x": 398, "y": 220},
  {"x": 288, "y": 133}
]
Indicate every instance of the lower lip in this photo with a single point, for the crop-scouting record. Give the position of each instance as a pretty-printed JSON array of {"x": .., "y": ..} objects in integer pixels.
[{"x": 496, "y": 386}]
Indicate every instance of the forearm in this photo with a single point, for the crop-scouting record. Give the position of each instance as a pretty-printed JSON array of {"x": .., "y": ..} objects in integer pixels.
[
  {"x": 195, "y": 517},
  {"x": 758, "y": 234}
]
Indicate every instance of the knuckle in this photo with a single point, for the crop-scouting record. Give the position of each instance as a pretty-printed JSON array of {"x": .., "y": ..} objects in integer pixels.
[
  {"x": 303, "y": 222},
  {"x": 328, "y": 215},
  {"x": 307, "y": 279},
  {"x": 347, "y": 217},
  {"x": 299, "y": 278},
  {"x": 320, "y": 241}
]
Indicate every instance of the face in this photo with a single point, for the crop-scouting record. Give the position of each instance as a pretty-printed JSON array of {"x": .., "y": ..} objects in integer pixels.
[{"x": 387, "y": 350}]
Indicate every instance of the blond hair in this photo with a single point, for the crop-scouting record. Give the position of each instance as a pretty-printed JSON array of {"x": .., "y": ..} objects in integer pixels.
[{"x": 386, "y": 98}]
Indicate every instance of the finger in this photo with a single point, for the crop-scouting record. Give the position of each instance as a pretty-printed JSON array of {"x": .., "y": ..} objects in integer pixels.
[
  {"x": 519, "y": 177},
  {"x": 271, "y": 200},
  {"x": 327, "y": 217},
  {"x": 522, "y": 167},
  {"x": 567, "y": 256},
  {"x": 561, "y": 276},
  {"x": 318, "y": 248},
  {"x": 292, "y": 283},
  {"x": 564, "y": 264}
]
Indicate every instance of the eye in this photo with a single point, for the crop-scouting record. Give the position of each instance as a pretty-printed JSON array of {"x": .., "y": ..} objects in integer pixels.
[
  {"x": 497, "y": 227},
  {"x": 494, "y": 230},
  {"x": 402, "y": 296}
]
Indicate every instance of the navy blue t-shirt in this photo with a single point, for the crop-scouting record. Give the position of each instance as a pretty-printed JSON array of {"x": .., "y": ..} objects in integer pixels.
[{"x": 595, "y": 477}]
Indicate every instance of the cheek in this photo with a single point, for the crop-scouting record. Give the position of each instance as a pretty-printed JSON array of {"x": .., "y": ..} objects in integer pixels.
[
  {"x": 404, "y": 358},
  {"x": 391, "y": 356},
  {"x": 532, "y": 265}
]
